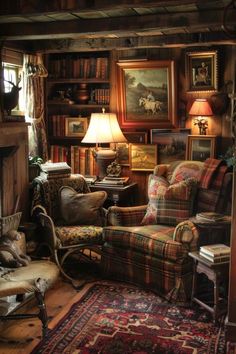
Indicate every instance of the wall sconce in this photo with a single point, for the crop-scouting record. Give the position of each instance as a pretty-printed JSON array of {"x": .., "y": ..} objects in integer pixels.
[
  {"x": 201, "y": 109},
  {"x": 103, "y": 128}
]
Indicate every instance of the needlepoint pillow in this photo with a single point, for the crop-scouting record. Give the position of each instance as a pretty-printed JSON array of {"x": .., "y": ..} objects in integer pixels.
[
  {"x": 81, "y": 209},
  {"x": 169, "y": 204}
]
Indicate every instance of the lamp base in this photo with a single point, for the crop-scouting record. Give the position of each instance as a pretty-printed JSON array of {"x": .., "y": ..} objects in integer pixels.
[
  {"x": 202, "y": 124},
  {"x": 103, "y": 158}
]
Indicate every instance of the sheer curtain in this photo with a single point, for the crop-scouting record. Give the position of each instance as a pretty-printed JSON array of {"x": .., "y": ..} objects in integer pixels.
[{"x": 34, "y": 74}]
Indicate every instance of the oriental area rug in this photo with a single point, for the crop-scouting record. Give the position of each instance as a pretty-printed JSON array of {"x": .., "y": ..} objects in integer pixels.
[{"x": 116, "y": 318}]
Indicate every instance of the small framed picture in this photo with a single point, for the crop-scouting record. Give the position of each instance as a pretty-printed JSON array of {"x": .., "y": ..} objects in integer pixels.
[
  {"x": 75, "y": 126},
  {"x": 136, "y": 137},
  {"x": 201, "y": 71},
  {"x": 171, "y": 145},
  {"x": 143, "y": 157},
  {"x": 201, "y": 147}
]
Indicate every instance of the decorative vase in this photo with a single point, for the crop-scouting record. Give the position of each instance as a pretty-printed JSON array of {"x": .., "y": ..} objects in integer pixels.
[{"x": 81, "y": 95}]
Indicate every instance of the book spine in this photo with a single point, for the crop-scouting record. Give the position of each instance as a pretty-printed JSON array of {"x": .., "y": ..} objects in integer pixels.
[
  {"x": 82, "y": 160},
  {"x": 215, "y": 259}
]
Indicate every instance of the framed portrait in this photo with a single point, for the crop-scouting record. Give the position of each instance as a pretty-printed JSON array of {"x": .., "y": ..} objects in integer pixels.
[
  {"x": 201, "y": 147},
  {"x": 202, "y": 71},
  {"x": 171, "y": 145},
  {"x": 147, "y": 94},
  {"x": 143, "y": 157},
  {"x": 136, "y": 137},
  {"x": 75, "y": 126}
]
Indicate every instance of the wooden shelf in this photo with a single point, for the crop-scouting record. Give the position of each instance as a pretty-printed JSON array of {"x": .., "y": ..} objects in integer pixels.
[
  {"x": 78, "y": 80},
  {"x": 76, "y": 105}
]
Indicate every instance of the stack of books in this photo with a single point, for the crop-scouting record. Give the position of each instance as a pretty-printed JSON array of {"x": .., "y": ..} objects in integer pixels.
[
  {"x": 215, "y": 253},
  {"x": 209, "y": 216},
  {"x": 113, "y": 181},
  {"x": 55, "y": 170}
]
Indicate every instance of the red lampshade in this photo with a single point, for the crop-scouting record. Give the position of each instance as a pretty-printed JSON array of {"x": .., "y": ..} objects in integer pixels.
[{"x": 201, "y": 107}]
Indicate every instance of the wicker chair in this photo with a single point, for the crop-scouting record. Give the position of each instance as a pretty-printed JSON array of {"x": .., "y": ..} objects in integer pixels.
[{"x": 65, "y": 240}]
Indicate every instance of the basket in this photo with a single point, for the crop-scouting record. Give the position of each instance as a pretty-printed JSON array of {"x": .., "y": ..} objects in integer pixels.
[{"x": 10, "y": 222}]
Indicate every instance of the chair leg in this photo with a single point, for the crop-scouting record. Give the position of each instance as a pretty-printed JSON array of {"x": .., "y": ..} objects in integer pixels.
[{"x": 42, "y": 315}]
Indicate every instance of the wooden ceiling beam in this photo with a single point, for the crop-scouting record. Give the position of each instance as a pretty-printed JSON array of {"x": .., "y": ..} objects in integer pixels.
[
  {"x": 78, "y": 28},
  {"x": 26, "y": 7},
  {"x": 96, "y": 44}
]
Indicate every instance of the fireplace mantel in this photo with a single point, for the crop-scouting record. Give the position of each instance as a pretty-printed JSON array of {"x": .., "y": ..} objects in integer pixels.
[{"x": 14, "y": 180}]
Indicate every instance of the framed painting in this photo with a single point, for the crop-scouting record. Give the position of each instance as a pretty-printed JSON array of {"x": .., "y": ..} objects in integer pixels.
[
  {"x": 171, "y": 145},
  {"x": 147, "y": 94},
  {"x": 201, "y": 147},
  {"x": 202, "y": 71},
  {"x": 75, "y": 126},
  {"x": 136, "y": 137},
  {"x": 143, "y": 157}
]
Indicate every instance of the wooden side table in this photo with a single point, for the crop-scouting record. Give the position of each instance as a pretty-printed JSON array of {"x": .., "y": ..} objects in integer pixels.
[
  {"x": 118, "y": 195},
  {"x": 217, "y": 273},
  {"x": 213, "y": 232}
]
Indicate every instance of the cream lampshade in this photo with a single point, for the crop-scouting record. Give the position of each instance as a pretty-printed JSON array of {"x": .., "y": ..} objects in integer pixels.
[
  {"x": 103, "y": 128},
  {"x": 201, "y": 109}
]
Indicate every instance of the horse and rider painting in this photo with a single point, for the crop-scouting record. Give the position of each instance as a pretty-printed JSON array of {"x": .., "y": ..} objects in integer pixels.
[{"x": 147, "y": 93}]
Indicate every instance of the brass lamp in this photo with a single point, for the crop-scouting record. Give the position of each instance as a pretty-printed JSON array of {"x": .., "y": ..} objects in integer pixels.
[
  {"x": 201, "y": 109},
  {"x": 103, "y": 128}
]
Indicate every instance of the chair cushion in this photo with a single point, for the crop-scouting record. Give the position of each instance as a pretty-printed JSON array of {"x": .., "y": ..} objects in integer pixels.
[
  {"x": 73, "y": 235},
  {"x": 169, "y": 204},
  {"x": 81, "y": 209},
  {"x": 150, "y": 240}
]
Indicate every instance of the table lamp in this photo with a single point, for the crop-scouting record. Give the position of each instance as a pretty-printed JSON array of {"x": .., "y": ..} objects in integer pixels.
[
  {"x": 103, "y": 128},
  {"x": 201, "y": 109}
]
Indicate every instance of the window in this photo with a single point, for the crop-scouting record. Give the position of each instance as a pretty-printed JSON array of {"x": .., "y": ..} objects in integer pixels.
[{"x": 13, "y": 73}]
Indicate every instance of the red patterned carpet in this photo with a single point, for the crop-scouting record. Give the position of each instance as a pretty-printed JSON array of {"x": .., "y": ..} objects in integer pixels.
[{"x": 116, "y": 318}]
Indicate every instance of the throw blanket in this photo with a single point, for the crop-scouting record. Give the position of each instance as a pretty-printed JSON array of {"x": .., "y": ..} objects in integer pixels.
[
  {"x": 213, "y": 172},
  {"x": 210, "y": 184}
]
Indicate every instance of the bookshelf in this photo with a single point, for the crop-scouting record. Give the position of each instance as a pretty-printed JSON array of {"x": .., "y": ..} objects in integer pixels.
[{"x": 78, "y": 84}]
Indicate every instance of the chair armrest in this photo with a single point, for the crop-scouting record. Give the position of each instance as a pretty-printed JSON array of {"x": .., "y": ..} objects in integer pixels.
[
  {"x": 49, "y": 234},
  {"x": 36, "y": 210},
  {"x": 187, "y": 234},
  {"x": 125, "y": 216}
]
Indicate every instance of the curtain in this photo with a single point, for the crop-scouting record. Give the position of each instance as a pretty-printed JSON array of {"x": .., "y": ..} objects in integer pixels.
[{"x": 34, "y": 74}]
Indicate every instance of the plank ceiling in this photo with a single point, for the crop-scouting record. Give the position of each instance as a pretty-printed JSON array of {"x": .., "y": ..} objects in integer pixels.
[{"x": 104, "y": 24}]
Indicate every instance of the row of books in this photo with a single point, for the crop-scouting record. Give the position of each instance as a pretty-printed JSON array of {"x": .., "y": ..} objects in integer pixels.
[
  {"x": 216, "y": 253},
  {"x": 76, "y": 67},
  {"x": 80, "y": 158},
  {"x": 57, "y": 124}
]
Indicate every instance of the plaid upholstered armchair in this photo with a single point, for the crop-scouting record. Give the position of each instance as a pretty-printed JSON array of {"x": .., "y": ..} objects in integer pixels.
[
  {"x": 71, "y": 218},
  {"x": 149, "y": 245}
]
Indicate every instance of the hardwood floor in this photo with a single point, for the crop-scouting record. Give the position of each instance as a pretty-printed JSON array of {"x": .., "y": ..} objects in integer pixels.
[{"x": 21, "y": 336}]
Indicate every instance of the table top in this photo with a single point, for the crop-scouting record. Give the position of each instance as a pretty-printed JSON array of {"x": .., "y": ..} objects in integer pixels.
[
  {"x": 111, "y": 186},
  {"x": 226, "y": 221}
]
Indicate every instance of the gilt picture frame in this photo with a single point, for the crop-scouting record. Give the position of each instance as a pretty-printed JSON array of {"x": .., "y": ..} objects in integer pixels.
[
  {"x": 201, "y": 147},
  {"x": 75, "y": 126},
  {"x": 171, "y": 145},
  {"x": 147, "y": 94},
  {"x": 143, "y": 157},
  {"x": 202, "y": 71}
]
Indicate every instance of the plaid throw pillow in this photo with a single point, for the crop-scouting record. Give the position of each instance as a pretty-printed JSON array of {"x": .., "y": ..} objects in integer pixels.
[{"x": 169, "y": 204}]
